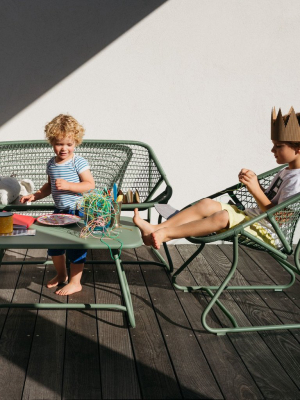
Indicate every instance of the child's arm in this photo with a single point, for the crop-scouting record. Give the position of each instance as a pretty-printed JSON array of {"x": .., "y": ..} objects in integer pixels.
[
  {"x": 249, "y": 179},
  {"x": 87, "y": 183},
  {"x": 44, "y": 191}
]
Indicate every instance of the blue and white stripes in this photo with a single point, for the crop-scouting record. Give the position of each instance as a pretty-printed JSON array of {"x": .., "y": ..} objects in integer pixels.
[{"x": 70, "y": 170}]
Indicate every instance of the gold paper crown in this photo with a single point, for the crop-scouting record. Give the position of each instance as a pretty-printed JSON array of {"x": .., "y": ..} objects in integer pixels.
[{"x": 282, "y": 132}]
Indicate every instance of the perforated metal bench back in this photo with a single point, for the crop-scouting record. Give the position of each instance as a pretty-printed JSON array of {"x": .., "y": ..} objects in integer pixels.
[{"x": 129, "y": 164}]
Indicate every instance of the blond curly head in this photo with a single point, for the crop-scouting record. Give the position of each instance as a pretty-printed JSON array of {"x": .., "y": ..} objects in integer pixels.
[{"x": 64, "y": 126}]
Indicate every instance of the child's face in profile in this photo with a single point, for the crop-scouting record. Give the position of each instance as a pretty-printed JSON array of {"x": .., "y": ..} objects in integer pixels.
[
  {"x": 284, "y": 153},
  {"x": 64, "y": 148}
]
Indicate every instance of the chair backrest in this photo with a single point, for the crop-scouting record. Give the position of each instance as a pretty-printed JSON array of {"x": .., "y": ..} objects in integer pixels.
[
  {"x": 246, "y": 198},
  {"x": 287, "y": 219},
  {"x": 129, "y": 164}
]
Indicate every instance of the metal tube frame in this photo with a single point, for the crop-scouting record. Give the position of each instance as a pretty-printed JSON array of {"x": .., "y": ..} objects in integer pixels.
[
  {"x": 215, "y": 291},
  {"x": 126, "y": 295}
]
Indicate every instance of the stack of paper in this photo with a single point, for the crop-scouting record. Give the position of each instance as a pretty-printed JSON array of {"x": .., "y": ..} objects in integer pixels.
[{"x": 20, "y": 232}]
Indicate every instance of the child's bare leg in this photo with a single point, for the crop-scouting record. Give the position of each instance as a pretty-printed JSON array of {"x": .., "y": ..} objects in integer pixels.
[
  {"x": 74, "y": 284},
  {"x": 203, "y": 209},
  {"x": 60, "y": 266},
  {"x": 203, "y": 227}
]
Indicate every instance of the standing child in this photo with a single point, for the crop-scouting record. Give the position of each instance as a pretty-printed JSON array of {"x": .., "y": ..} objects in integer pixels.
[
  {"x": 69, "y": 176},
  {"x": 208, "y": 216}
]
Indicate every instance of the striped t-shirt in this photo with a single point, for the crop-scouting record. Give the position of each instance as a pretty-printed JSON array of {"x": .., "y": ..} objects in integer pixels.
[{"x": 70, "y": 170}]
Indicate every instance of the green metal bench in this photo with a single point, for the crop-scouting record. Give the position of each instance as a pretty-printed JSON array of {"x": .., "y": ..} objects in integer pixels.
[
  {"x": 131, "y": 165},
  {"x": 283, "y": 217}
]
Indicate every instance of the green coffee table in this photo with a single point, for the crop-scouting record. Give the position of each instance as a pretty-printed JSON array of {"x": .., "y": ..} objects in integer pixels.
[{"x": 62, "y": 237}]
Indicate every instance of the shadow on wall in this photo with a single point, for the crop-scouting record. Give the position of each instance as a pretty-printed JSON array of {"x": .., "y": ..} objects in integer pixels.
[{"x": 44, "y": 41}]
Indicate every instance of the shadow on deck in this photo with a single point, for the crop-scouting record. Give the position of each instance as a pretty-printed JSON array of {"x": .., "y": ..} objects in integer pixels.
[{"x": 54, "y": 354}]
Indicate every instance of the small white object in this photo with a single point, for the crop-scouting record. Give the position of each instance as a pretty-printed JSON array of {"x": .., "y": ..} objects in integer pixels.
[{"x": 11, "y": 189}]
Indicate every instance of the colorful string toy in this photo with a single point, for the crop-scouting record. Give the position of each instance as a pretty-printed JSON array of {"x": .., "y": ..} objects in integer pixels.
[{"x": 99, "y": 210}]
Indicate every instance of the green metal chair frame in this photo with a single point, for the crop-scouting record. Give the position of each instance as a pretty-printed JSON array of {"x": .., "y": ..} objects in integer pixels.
[
  {"x": 283, "y": 217},
  {"x": 132, "y": 165}
]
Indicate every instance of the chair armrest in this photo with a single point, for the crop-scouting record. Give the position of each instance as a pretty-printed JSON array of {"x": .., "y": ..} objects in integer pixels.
[
  {"x": 283, "y": 205},
  {"x": 217, "y": 194},
  {"x": 163, "y": 197},
  {"x": 228, "y": 191},
  {"x": 233, "y": 191}
]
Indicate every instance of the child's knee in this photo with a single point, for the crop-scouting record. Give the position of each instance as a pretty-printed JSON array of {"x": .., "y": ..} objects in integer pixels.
[
  {"x": 204, "y": 203},
  {"x": 208, "y": 206}
]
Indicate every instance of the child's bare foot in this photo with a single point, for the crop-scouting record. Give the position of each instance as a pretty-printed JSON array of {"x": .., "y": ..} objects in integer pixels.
[
  {"x": 57, "y": 280},
  {"x": 70, "y": 288},
  {"x": 147, "y": 239},
  {"x": 145, "y": 227},
  {"x": 158, "y": 237}
]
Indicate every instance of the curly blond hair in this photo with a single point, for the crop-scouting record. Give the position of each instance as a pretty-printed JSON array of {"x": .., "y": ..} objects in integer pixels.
[{"x": 62, "y": 126}]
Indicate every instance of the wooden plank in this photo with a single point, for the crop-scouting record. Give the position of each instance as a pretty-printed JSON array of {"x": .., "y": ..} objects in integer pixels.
[
  {"x": 284, "y": 344},
  {"x": 274, "y": 271},
  {"x": 154, "y": 366},
  {"x": 16, "y": 338},
  {"x": 193, "y": 372},
  {"x": 9, "y": 278},
  {"x": 203, "y": 273},
  {"x": 246, "y": 274},
  {"x": 47, "y": 352},
  {"x": 226, "y": 364},
  {"x": 118, "y": 371},
  {"x": 219, "y": 352},
  {"x": 273, "y": 382},
  {"x": 81, "y": 378},
  {"x": 282, "y": 303}
]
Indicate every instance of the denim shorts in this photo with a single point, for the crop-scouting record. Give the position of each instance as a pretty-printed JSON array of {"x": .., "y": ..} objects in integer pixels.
[{"x": 75, "y": 256}]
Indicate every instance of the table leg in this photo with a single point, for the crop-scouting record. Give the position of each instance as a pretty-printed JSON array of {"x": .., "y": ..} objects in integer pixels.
[
  {"x": 125, "y": 290},
  {"x": 128, "y": 308}
]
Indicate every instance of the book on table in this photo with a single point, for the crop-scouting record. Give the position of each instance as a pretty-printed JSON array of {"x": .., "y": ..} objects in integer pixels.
[{"x": 22, "y": 221}]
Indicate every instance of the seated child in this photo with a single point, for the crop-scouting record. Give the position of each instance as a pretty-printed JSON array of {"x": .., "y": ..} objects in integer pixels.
[
  {"x": 69, "y": 176},
  {"x": 208, "y": 216}
]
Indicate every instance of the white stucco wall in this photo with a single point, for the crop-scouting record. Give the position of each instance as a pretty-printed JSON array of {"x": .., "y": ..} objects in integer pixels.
[{"x": 196, "y": 80}]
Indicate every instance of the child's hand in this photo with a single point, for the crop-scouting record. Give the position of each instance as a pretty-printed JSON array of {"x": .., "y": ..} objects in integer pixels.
[
  {"x": 27, "y": 198},
  {"x": 249, "y": 179},
  {"x": 62, "y": 184}
]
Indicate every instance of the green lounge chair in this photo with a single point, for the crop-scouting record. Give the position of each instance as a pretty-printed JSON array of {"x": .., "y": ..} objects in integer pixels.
[{"x": 283, "y": 217}]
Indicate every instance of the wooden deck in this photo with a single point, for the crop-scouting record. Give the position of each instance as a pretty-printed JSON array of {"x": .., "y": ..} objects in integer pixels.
[{"x": 94, "y": 355}]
